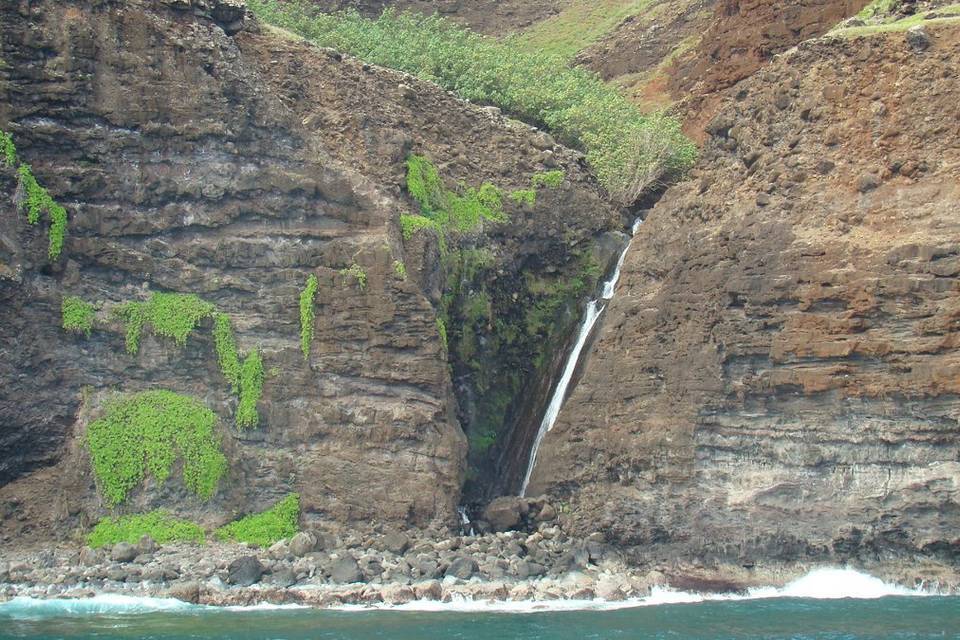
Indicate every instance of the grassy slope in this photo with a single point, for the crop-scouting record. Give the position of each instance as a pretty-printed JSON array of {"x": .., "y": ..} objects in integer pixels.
[
  {"x": 876, "y": 11},
  {"x": 579, "y": 25}
]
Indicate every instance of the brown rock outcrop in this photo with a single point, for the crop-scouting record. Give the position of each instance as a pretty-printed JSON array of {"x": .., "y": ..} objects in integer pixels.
[
  {"x": 778, "y": 377},
  {"x": 684, "y": 55},
  {"x": 199, "y": 155}
]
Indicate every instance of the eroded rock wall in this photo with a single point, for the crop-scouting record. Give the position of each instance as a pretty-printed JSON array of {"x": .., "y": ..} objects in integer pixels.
[
  {"x": 199, "y": 152},
  {"x": 778, "y": 377}
]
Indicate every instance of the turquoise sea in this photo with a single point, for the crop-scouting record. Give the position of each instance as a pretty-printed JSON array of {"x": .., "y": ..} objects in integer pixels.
[
  {"x": 827, "y": 604},
  {"x": 884, "y": 618}
]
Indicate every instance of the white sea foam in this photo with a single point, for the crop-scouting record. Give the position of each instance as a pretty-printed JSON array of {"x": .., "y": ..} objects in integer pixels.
[
  {"x": 820, "y": 584},
  {"x": 266, "y": 606},
  {"x": 102, "y": 604}
]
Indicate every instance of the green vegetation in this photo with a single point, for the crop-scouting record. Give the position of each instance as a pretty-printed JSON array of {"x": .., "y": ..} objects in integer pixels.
[
  {"x": 38, "y": 200},
  {"x": 307, "y": 315},
  {"x": 358, "y": 273},
  {"x": 172, "y": 315},
  {"x": 410, "y": 224},
  {"x": 552, "y": 179},
  {"x": 400, "y": 269},
  {"x": 131, "y": 313},
  {"x": 444, "y": 210},
  {"x": 8, "y": 149},
  {"x": 426, "y": 187},
  {"x": 628, "y": 150},
  {"x": 442, "y": 331},
  {"x": 884, "y": 21},
  {"x": 878, "y": 7},
  {"x": 524, "y": 196},
  {"x": 146, "y": 432},
  {"x": 159, "y": 525},
  {"x": 251, "y": 388},
  {"x": 77, "y": 315},
  {"x": 227, "y": 355},
  {"x": 176, "y": 315},
  {"x": 578, "y": 25},
  {"x": 267, "y": 527}
]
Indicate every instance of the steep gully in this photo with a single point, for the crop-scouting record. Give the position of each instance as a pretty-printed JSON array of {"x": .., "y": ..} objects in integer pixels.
[{"x": 595, "y": 309}]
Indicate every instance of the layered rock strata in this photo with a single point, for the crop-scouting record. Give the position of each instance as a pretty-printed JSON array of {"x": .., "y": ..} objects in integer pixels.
[
  {"x": 198, "y": 152},
  {"x": 778, "y": 374}
]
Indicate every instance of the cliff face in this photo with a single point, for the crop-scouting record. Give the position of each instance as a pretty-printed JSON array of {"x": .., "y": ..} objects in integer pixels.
[
  {"x": 778, "y": 377},
  {"x": 198, "y": 153}
]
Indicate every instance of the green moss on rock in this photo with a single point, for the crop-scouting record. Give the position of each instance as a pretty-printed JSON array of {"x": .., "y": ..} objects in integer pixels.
[
  {"x": 146, "y": 432},
  {"x": 227, "y": 355},
  {"x": 251, "y": 388},
  {"x": 267, "y": 527},
  {"x": 307, "y": 314},
  {"x": 77, "y": 315},
  {"x": 159, "y": 525}
]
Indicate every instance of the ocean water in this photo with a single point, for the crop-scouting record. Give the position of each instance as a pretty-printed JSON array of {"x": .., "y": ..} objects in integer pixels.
[{"x": 838, "y": 605}]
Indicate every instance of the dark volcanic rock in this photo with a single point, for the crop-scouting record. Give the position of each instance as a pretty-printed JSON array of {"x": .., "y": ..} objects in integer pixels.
[
  {"x": 462, "y": 567},
  {"x": 244, "y": 571},
  {"x": 234, "y": 167},
  {"x": 504, "y": 513},
  {"x": 345, "y": 570},
  {"x": 395, "y": 542},
  {"x": 302, "y": 544},
  {"x": 123, "y": 552},
  {"x": 188, "y": 591}
]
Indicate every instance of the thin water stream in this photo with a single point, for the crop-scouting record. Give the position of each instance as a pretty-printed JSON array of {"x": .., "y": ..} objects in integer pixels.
[{"x": 594, "y": 310}]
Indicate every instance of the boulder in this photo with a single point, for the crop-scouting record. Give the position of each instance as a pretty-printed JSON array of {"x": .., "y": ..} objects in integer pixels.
[
  {"x": 371, "y": 569},
  {"x": 147, "y": 545},
  {"x": 868, "y": 182},
  {"x": 397, "y": 594},
  {"x": 917, "y": 38},
  {"x": 461, "y": 567},
  {"x": 302, "y": 544},
  {"x": 547, "y": 513},
  {"x": 44, "y": 560},
  {"x": 283, "y": 578},
  {"x": 279, "y": 550},
  {"x": 504, "y": 513},
  {"x": 244, "y": 571},
  {"x": 90, "y": 557},
  {"x": 153, "y": 574},
  {"x": 429, "y": 590},
  {"x": 118, "y": 574},
  {"x": 395, "y": 542},
  {"x": 427, "y": 567},
  {"x": 188, "y": 591},
  {"x": 123, "y": 552},
  {"x": 345, "y": 570}
]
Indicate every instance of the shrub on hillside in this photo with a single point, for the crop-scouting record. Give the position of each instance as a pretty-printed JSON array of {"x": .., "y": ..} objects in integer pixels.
[{"x": 540, "y": 88}]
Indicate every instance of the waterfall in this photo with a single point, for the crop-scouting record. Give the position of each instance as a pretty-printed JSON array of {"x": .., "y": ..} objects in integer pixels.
[
  {"x": 465, "y": 524},
  {"x": 590, "y": 317}
]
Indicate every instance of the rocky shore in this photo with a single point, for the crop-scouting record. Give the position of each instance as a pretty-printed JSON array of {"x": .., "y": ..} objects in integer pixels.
[{"x": 328, "y": 568}]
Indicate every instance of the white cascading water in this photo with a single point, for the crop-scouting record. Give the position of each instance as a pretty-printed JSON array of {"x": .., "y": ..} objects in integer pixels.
[
  {"x": 466, "y": 524},
  {"x": 592, "y": 314}
]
